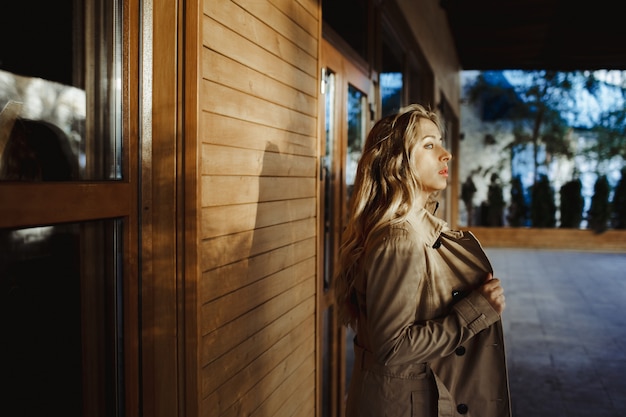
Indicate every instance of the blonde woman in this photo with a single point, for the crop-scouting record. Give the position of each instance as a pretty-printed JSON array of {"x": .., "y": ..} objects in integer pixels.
[{"x": 420, "y": 296}]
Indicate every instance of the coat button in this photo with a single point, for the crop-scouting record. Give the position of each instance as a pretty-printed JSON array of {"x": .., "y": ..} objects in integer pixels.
[
  {"x": 462, "y": 409},
  {"x": 460, "y": 351},
  {"x": 437, "y": 244}
]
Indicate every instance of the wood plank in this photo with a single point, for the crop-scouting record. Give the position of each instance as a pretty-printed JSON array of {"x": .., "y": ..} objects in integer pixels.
[
  {"x": 228, "y": 102},
  {"x": 160, "y": 195},
  {"x": 256, "y": 399},
  {"x": 222, "y": 191},
  {"x": 221, "y": 39},
  {"x": 307, "y": 13},
  {"x": 220, "y": 281},
  {"x": 302, "y": 396},
  {"x": 287, "y": 397},
  {"x": 245, "y": 134},
  {"x": 225, "y": 71},
  {"x": 285, "y": 24},
  {"x": 251, "y": 386},
  {"x": 263, "y": 34},
  {"x": 229, "y": 336},
  {"x": 20, "y": 203},
  {"x": 225, "y": 220},
  {"x": 242, "y": 355},
  {"x": 230, "y": 306},
  {"x": 306, "y": 400},
  {"x": 224, "y": 160},
  {"x": 228, "y": 249}
]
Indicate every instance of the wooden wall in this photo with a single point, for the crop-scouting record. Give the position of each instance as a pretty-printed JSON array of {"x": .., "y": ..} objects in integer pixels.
[{"x": 258, "y": 133}]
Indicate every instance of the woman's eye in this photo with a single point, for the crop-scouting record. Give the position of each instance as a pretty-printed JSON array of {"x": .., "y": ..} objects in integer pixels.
[{"x": 428, "y": 146}]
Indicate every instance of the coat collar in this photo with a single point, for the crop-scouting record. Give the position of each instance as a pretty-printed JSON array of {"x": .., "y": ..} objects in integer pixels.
[{"x": 428, "y": 225}]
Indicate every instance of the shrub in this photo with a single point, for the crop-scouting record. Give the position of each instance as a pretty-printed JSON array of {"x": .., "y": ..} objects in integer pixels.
[
  {"x": 542, "y": 208},
  {"x": 600, "y": 210},
  {"x": 619, "y": 203},
  {"x": 518, "y": 210},
  {"x": 572, "y": 204}
]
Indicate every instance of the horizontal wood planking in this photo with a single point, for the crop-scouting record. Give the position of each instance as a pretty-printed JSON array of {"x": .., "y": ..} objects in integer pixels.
[
  {"x": 221, "y": 160},
  {"x": 225, "y": 41},
  {"x": 281, "y": 315},
  {"x": 263, "y": 377},
  {"x": 238, "y": 133},
  {"x": 228, "y": 278},
  {"x": 233, "y": 305},
  {"x": 223, "y": 220},
  {"x": 265, "y": 324},
  {"x": 294, "y": 8},
  {"x": 234, "y": 103},
  {"x": 220, "y": 191},
  {"x": 286, "y": 389},
  {"x": 229, "y": 73},
  {"x": 300, "y": 50},
  {"x": 233, "y": 248},
  {"x": 241, "y": 355},
  {"x": 301, "y": 399},
  {"x": 293, "y": 22},
  {"x": 258, "y": 206}
]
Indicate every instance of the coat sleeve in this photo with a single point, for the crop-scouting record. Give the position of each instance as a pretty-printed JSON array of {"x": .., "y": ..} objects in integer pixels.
[{"x": 395, "y": 273}]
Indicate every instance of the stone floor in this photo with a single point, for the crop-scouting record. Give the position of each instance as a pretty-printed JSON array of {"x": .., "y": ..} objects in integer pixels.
[{"x": 565, "y": 331}]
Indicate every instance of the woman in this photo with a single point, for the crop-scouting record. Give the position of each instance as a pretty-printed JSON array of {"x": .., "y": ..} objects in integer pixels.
[{"x": 420, "y": 297}]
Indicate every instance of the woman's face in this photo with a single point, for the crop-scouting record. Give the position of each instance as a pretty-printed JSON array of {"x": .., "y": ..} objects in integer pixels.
[{"x": 430, "y": 157}]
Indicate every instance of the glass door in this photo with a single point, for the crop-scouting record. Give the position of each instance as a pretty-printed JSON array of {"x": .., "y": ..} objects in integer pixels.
[
  {"x": 346, "y": 120},
  {"x": 68, "y": 298}
]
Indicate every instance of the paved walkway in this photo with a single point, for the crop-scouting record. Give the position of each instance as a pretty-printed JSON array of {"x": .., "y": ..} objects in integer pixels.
[{"x": 565, "y": 331}]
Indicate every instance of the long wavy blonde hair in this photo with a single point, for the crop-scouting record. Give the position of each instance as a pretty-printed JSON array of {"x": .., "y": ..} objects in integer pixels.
[{"x": 385, "y": 190}]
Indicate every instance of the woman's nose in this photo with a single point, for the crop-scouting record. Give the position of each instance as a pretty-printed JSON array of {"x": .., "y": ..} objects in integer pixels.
[{"x": 445, "y": 156}]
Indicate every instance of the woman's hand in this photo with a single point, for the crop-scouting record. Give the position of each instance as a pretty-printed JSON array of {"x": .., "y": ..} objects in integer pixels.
[{"x": 493, "y": 292}]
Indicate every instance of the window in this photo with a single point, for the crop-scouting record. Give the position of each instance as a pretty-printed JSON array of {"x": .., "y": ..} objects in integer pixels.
[{"x": 68, "y": 314}]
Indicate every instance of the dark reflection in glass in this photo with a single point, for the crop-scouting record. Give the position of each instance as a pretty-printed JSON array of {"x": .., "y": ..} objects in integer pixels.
[
  {"x": 60, "y": 90},
  {"x": 327, "y": 360},
  {"x": 37, "y": 151},
  {"x": 60, "y": 298},
  {"x": 327, "y": 175},
  {"x": 391, "y": 86},
  {"x": 357, "y": 120}
]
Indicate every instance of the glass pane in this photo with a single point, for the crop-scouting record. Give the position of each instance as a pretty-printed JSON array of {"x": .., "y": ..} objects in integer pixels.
[
  {"x": 391, "y": 92},
  {"x": 60, "y": 314},
  {"x": 350, "y": 334},
  {"x": 327, "y": 360},
  {"x": 60, "y": 90},
  {"x": 327, "y": 174},
  {"x": 357, "y": 130},
  {"x": 357, "y": 125}
]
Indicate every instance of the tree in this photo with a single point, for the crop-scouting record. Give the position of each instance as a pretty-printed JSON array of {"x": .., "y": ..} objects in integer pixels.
[
  {"x": 600, "y": 210},
  {"x": 495, "y": 208},
  {"x": 544, "y": 109},
  {"x": 536, "y": 105},
  {"x": 572, "y": 204},
  {"x": 518, "y": 210},
  {"x": 619, "y": 203},
  {"x": 468, "y": 189},
  {"x": 542, "y": 207}
]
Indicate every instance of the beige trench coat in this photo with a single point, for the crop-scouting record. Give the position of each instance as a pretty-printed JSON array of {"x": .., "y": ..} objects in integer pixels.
[{"x": 426, "y": 344}]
